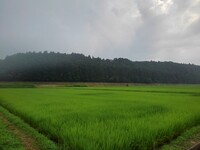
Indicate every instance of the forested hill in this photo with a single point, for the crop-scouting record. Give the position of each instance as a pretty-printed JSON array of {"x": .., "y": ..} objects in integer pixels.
[{"x": 77, "y": 67}]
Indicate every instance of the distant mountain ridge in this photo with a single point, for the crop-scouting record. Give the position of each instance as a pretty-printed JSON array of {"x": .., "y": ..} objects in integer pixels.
[{"x": 59, "y": 67}]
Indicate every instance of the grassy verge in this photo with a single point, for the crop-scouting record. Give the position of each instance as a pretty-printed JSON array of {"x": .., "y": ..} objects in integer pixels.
[
  {"x": 43, "y": 142},
  {"x": 185, "y": 141},
  {"x": 81, "y": 84},
  {"x": 16, "y": 85},
  {"x": 7, "y": 140}
]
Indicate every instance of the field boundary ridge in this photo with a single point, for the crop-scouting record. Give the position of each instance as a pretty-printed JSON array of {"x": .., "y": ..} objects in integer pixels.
[{"x": 30, "y": 137}]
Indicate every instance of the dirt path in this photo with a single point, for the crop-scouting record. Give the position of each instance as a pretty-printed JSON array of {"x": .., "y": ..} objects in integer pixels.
[
  {"x": 195, "y": 147},
  {"x": 28, "y": 142}
]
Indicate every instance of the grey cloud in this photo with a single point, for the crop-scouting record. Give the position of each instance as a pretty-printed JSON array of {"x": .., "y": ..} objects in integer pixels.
[{"x": 165, "y": 30}]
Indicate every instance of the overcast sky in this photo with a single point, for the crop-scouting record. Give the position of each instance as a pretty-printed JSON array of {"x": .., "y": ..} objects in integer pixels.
[{"x": 164, "y": 30}]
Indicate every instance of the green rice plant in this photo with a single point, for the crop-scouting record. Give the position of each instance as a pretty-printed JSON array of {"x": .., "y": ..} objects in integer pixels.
[{"x": 107, "y": 118}]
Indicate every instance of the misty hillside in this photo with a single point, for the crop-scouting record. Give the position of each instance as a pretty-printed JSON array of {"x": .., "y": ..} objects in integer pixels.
[{"x": 79, "y": 68}]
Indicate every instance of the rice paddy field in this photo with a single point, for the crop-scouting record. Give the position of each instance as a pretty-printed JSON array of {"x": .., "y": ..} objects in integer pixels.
[{"x": 107, "y": 118}]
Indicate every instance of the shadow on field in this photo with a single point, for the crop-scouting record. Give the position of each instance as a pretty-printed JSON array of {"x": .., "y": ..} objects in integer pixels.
[
  {"x": 95, "y": 94},
  {"x": 151, "y": 91}
]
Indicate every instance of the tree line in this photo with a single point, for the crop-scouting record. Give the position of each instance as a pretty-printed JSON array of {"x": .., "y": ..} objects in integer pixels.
[{"x": 59, "y": 67}]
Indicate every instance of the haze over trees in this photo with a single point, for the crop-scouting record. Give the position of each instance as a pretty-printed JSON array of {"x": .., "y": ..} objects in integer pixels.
[{"x": 59, "y": 67}]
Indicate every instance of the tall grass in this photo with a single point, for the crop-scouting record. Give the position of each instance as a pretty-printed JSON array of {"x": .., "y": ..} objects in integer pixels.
[{"x": 107, "y": 118}]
